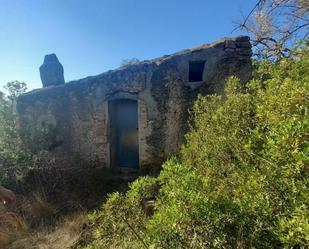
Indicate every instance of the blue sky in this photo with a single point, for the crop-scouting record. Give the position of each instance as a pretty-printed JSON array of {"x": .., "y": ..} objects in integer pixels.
[{"x": 93, "y": 36}]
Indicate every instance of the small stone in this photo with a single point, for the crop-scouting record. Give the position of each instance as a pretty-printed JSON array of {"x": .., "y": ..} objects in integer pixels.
[
  {"x": 148, "y": 207},
  {"x": 230, "y": 44},
  {"x": 244, "y": 51},
  {"x": 229, "y": 50},
  {"x": 243, "y": 44}
]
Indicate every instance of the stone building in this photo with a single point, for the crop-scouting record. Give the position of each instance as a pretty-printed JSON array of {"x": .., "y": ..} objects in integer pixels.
[{"x": 131, "y": 117}]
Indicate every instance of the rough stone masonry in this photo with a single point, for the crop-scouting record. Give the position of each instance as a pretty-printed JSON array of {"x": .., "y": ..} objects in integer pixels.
[{"x": 132, "y": 117}]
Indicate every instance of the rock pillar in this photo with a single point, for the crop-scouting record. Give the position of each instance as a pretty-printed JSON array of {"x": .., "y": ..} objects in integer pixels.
[{"x": 51, "y": 71}]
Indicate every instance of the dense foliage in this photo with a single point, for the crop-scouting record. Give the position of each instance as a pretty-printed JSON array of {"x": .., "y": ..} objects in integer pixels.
[
  {"x": 241, "y": 180},
  {"x": 14, "y": 159}
]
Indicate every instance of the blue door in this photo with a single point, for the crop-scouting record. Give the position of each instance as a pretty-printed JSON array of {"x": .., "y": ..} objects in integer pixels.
[{"x": 124, "y": 129}]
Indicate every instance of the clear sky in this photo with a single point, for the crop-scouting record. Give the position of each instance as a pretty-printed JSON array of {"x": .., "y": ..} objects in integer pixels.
[{"x": 93, "y": 36}]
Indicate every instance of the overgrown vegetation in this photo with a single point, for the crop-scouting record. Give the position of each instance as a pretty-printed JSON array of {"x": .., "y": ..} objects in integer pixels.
[
  {"x": 14, "y": 159},
  {"x": 241, "y": 180},
  {"x": 52, "y": 198}
]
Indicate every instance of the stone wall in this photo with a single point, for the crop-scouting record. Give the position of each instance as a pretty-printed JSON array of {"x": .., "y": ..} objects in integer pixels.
[{"x": 77, "y": 112}]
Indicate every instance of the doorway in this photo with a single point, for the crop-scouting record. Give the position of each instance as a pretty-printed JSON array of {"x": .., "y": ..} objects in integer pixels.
[{"x": 124, "y": 133}]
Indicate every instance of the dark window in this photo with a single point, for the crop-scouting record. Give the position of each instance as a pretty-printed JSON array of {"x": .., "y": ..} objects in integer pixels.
[{"x": 196, "y": 69}]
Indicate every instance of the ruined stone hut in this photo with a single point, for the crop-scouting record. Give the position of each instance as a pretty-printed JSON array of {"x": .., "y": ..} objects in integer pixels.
[{"x": 132, "y": 117}]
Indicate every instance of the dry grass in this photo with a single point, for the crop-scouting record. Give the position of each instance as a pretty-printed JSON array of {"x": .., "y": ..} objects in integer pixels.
[
  {"x": 50, "y": 215},
  {"x": 34, "y": 223},
  {"x": 36, "y": 209},
  {"x": 64, "y": 235},
  {"x": 12, "y": 226}
]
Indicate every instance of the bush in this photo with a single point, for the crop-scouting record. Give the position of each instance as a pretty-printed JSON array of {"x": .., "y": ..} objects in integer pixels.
[
  {"x": 241, "y": 180},
  {"x": 122, "y": 221},
  {"x": 14, "y": 159}
]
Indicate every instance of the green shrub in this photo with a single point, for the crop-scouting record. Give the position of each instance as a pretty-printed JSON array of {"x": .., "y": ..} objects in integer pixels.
[
  {"x": 14, "y": 159},
  {"x": 121, "y": 221}
]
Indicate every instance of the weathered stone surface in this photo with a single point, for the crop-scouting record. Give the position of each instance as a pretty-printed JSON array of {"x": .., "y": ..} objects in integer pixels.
[
  {"x": 51, "y": 71},
  {"x": 78, "y": 110},
  {"x": 230, "y": 44}
]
